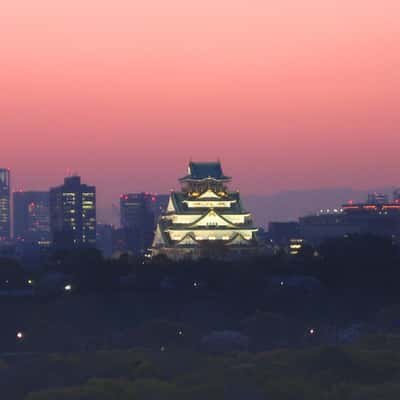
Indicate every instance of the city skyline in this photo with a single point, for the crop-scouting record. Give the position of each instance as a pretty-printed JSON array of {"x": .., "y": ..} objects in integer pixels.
[
  {"x": 307, "y": 94},
  {"x": 107, "y": 199},
  {"x": 284, "y": 205}
]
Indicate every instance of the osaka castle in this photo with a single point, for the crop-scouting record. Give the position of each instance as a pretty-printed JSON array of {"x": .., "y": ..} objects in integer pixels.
[{"x": 205, "y": 219}]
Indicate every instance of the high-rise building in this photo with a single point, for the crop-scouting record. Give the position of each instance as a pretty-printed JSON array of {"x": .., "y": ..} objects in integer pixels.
[
  {"x": 205, "y": 218},
  {"x": 32, "y": 217},
  {"x": 396, "y": 195},
  {"x": 4, "y": 204},
  {"x": 377, "y": 198},
  {"x": 137, "y": 219},
  {"x": 73, "y": 214},
  {"x": 135, "y": 209}
]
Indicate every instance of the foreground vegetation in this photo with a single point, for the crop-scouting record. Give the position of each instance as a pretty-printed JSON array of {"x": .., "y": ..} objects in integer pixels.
[
  {"x": 365, "y": 263},
  {"x": 367, "y": 370}
]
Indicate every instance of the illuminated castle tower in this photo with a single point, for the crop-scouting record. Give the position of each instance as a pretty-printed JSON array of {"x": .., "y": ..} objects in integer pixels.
[{"x": 204, "y": 219}]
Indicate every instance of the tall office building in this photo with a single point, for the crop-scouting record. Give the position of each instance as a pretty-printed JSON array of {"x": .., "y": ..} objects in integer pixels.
[
  {"x": 73, "y": 214},
  {"x": 32, "y": 217},
  {"x": 137, "y": 219},
  {"x": 4, "y": 204}
]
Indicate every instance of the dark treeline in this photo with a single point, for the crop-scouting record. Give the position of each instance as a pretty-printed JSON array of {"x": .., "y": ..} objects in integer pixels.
[{"x": 364, "y": 263}]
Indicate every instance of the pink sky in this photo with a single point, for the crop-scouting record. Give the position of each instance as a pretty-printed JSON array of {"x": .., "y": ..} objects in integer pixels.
[{"x": 289, "y": 94}]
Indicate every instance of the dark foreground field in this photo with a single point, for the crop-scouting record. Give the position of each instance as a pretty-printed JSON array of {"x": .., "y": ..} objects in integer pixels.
[
  {"x": 198, "y": 345},
  {"x": 367, "y": 370}
]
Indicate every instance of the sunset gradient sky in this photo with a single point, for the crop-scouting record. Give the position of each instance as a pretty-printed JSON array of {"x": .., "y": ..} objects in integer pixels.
[{"x": 289, "y": 94}]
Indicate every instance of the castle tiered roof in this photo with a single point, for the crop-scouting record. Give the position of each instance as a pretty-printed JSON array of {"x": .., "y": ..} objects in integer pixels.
[{"x": 205, "y": 170}]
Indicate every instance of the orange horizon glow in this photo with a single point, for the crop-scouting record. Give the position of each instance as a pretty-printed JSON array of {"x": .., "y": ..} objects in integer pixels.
[{"x": 290, "y": 94}]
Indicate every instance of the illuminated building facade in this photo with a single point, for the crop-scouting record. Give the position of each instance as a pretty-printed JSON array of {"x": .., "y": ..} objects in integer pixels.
[
  {"x": 4, "y": 204},
  {"x": 295, "y": 246},
  {"x": 73, "y": 214},
  {"x": 32, "y": 217},
  {"x": 205, "y": 218}
]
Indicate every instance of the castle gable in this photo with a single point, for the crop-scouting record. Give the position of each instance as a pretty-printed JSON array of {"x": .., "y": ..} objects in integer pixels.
[
  {"x": 209, "y": 194},
  {"x": 212, "y": 219}
]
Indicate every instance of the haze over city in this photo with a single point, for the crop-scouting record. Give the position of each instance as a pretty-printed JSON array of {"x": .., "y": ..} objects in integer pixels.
[{"x": 290, "y": 95}]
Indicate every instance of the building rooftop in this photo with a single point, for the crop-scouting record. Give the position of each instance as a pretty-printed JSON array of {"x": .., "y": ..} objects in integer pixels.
[{"x": 205, "y": 170}]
